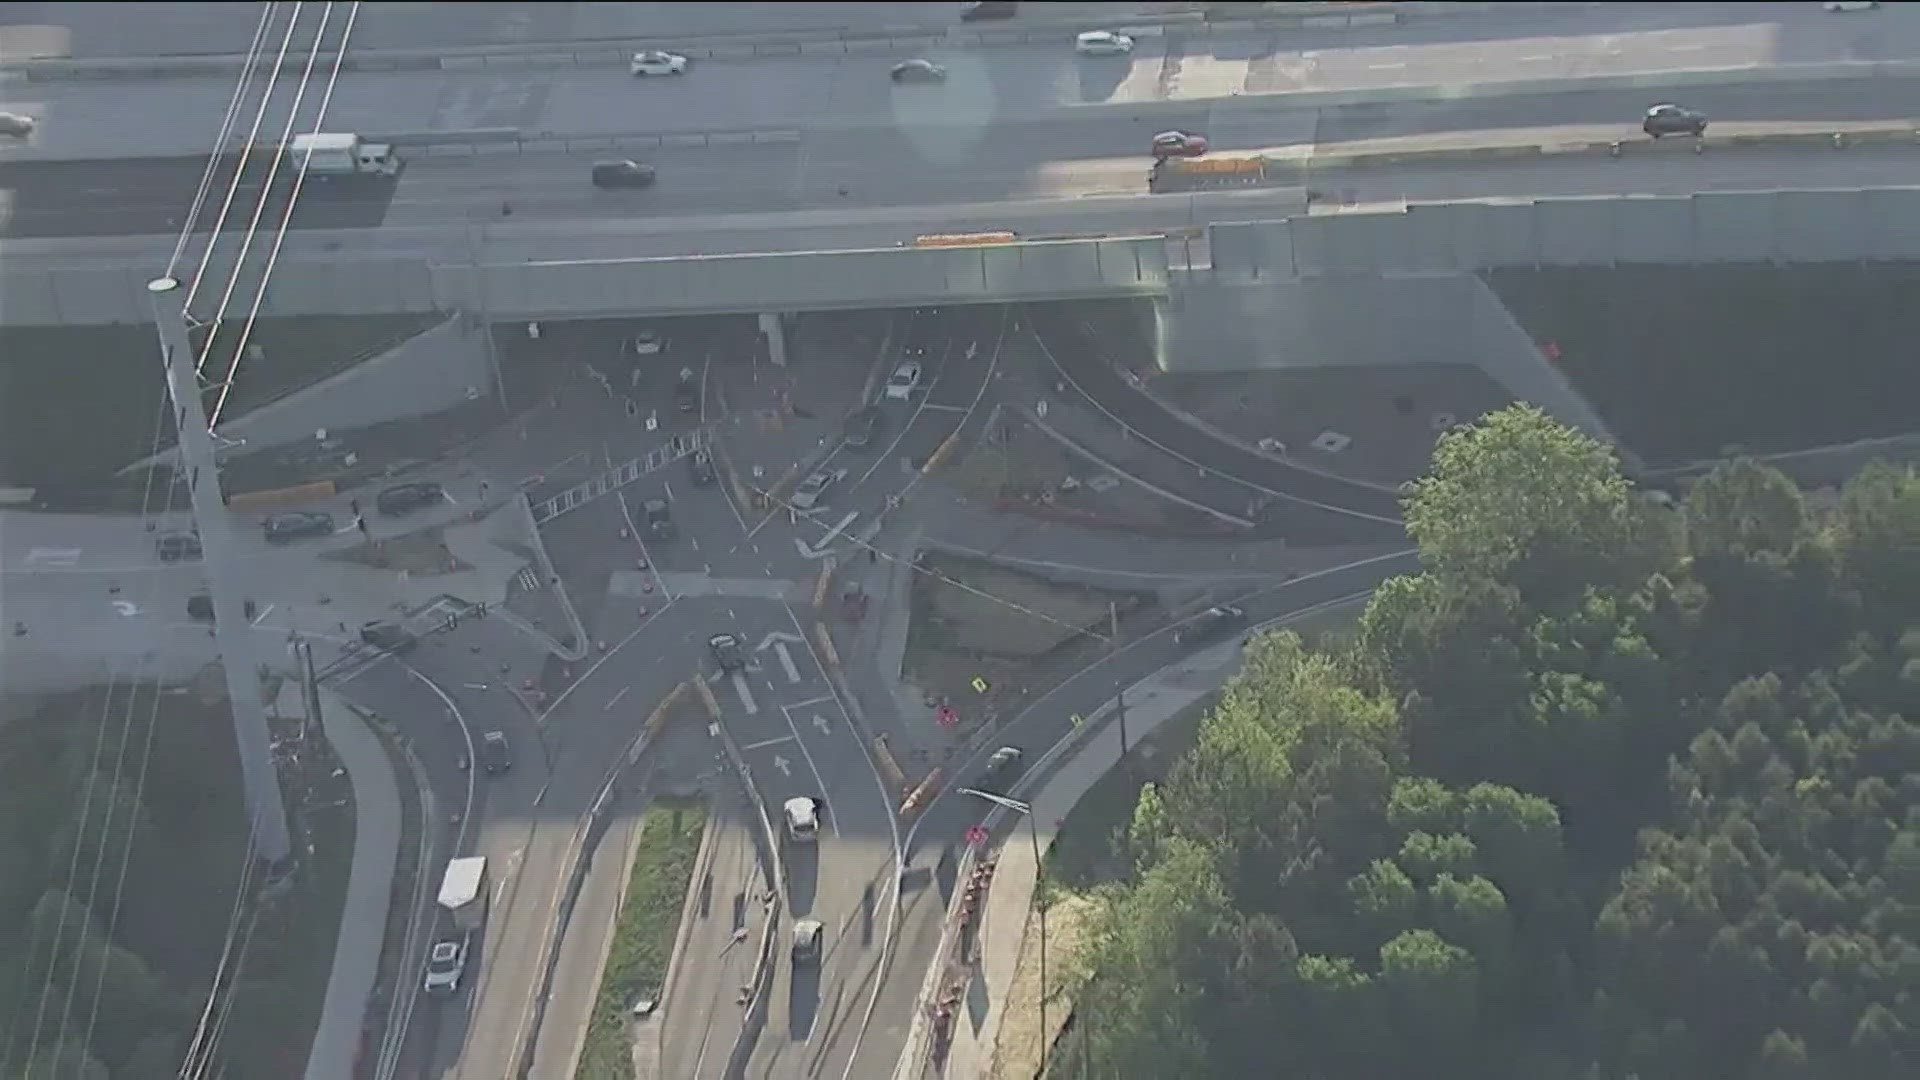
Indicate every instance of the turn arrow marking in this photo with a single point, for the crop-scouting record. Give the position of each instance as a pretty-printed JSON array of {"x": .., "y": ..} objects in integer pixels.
[
  {"x": 821, "y": 723},
  {"x": 785, "y": 766}
]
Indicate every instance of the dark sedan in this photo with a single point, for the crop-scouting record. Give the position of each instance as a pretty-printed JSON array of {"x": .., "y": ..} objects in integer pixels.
[
  {"x": 727, "y": 652},
  {"x": 295, "y": 525},
  {"x": 918, "y": 71},
  {"x": 1668, "y": 119},
  {"x": 401, "y": 498}
]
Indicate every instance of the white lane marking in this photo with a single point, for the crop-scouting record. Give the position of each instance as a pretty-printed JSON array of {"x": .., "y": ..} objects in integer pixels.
[
  {"x": 833, "y": 820},
  {"x": 615, "y": 700},
  {"x": 764, "y": 743},
  {"x": 811, "y": 701},
  {"x": 746, "y": 694},
  {"x": 264, "y": 612},
  {"x": 786, "y": 661}
]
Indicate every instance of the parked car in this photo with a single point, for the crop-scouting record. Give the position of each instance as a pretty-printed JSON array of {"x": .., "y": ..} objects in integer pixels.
[
  {"x": 177, "y": 546},
  {"x": 918, "y": 71},
  {"x": 16, "y": 125},
  {"x": 388, "y": 636},
  {"x": 400, "y": 498},
  {"x": 813, "y": 489},
  {"x": 975, "y": 10},
  {"x": 904, "y": 381},
  {"x": 622, "y": 174},
  {"x": 293, "y": 525},
  {"x": 862, "y": 424},
  {"x": 1169, "y": 144},
  {"x": 803, "y": 819},
  {"x": 495, "y": 756},
  {"x": 1670, "y": 119},
  {"x": 659, "y": 517},
  {"x": 806, "y": 941},
  {"x": 686, "y": 394},
  {"x": 446, "y": 965},
  {"x": 700, "y": 467},
  {"x": 655, "y": 62},
  {"x": 727, "y": 652},
  {"x": 1102, "y": 43}
]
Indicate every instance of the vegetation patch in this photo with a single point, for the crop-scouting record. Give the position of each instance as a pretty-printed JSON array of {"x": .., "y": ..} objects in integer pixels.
[
  {"x": 1090, "y": 847},
  {"x": 118, "y": 872},
  {"x": 1685, "y": 362},
  {"x": 1609, "y": 790},
  {"x": 643, "y": 934},
  {"x": 112, "y": 376}
]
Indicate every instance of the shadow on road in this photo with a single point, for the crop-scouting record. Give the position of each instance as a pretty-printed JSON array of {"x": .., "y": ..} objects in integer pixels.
[
  {"x": 803, "y": 877},
  {"x": 151, "y": 196},
  {"x": 804, "y": 1001}
]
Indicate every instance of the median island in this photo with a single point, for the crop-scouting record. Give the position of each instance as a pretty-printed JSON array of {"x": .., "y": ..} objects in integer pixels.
[{"x": 663, "y": 860}]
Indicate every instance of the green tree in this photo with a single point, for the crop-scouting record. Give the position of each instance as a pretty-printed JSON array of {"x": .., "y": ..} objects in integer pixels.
[
  {"x": 1782, "y": 1057},
  {"x": 1386, "y": 900},
  {"x": 1424, "y": 804},
  {"x": 1517, "y": 838},
  {"x": 1472, "y": 912},
  {"x": 1744, "y": 509},
  {"x": 1433, "y": 991},
  {"x": 1425, "y": 856},
  {"x": 1878, "y": 537},
  {"x": 1524, "y": 499}
]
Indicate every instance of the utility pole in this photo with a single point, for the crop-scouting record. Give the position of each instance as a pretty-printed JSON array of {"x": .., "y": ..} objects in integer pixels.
[
  {"x": 1120, "y": 714},
  {"x": 268, "y": 813}
]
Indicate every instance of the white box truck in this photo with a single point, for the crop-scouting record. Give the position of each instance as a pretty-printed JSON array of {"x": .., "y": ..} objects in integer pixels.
[
  {"x": 342, "y": 154},
  {"x": 463, "y": 892}
]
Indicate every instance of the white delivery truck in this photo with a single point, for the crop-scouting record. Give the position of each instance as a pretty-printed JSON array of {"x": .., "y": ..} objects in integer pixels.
[
  {"x": 342, "y": 154},
  {"x": 463, "y": 892}
]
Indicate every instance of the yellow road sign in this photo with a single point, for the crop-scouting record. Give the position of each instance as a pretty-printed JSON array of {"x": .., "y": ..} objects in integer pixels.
[{"x": 979, "y": 685}]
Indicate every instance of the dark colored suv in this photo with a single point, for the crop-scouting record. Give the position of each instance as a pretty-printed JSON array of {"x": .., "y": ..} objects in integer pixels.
[
  {"x": 1668, "y": 119},
  {"x": 280, "y": 528},
  {"x": 622, "y": 174},
  {"x": 401, "y": 498}
]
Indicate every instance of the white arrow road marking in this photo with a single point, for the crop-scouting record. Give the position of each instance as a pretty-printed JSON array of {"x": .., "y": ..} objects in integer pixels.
[
  {"x": 821, "y": 723},
  {"x": 767, "y": 642},
  {"x": 127, "y": 608},
  {"x": 786, "y": 661},
  {"x": 820, "y": 784},
  {"x": 811, "y": 553},
  {"x": 834, "y": 533},
  {"x": 785, "y": 766},
  {"x": 764, "y": 743},
  {"x": 746, "y": 695}
]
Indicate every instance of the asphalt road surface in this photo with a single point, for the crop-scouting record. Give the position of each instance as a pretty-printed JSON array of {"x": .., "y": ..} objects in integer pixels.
[
  {"x": 125, "y": 29},
  {"x": 152, "y": 195}
]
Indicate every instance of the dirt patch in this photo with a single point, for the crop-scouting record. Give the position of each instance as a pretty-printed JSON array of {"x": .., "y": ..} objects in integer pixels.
[
  {"x": 1016, "y": 1049},
  {"x": 1011, "y": 631},
  {"x": 1019, "y": 468},
  {"x": 1392, "y": 415},
  {"x": 422, "y": 551},
  {"x": 1687, "y": 362},
  {"x": 183, "y": 836}
]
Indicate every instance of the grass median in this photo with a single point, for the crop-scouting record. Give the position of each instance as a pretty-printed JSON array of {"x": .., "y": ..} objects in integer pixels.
[{"x": 643, "y": 934}]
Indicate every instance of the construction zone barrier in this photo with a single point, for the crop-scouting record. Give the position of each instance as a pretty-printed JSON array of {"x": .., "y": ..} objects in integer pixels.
[
  {"x": 895, "y": 777},
  {"x": 825, "y": 640},
  {"x": 824, "y": 583},
  {"x": 707, "y": 699},
  {"x": 979, "y": 239},
  {"x": 657, "y": 719},
  {"x": 940, "y": 454},
  {"x": 922, "y": 794},
  {"x": 299, "y": 493},
  {"x": 1187, "y": 174}
]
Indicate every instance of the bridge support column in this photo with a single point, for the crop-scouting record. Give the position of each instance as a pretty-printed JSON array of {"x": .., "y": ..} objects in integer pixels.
[{"x": 776, "y": 335}]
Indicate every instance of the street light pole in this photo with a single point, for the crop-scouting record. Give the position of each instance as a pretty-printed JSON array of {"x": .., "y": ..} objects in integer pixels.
[
  {"x": 259, "y": 778},
  {"x": 1039, "y": 883}
]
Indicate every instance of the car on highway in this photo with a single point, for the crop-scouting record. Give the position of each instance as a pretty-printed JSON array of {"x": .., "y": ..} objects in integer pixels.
[
  {"x": 918, "y": 71},
  {"x": 806, "y": 941},
  {"x": 1667, "y": 118},
  {"x": 401, "y": 498},
  {"x": 1001, "y": 767},
  {"x": 862, "y": 424},
  {"x": 1174, "y": 144},
  {"x": 647, "y": 342},
  {"x": 296, "y": 524},
  {"x": 1217, "y": 619},
  {"x": 1850, "y": 5},
  {"x": 975, "y": 10},
  {"x": 802, "y": 815},
  {"x": 1102, "y": 43},
  {"x": 700, "y": 467},
  {"x": 16, "y": 125},
  {"x": 814, "y": 488},
  {"x": 656, "y": 62},
  {"x": 904, "y": 380},
  {"x": 686, "y": 393},
  {"x": 446, "y": 966},
  {"x": 727, "y": 652},
  {"x": 622, "y": 174},
  {"x": 496, "y": 756},
  {"x": 177, "y": 546},
  {"x": 659, "y": 517}
]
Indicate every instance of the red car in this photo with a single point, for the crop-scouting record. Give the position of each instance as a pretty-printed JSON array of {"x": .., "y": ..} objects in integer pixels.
[{"x": 1178, "y": 144}]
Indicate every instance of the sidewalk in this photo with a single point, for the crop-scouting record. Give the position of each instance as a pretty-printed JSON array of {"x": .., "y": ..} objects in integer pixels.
[
  {"x": 977, "y": 1048},
  {"x": 363, "y": 916}
]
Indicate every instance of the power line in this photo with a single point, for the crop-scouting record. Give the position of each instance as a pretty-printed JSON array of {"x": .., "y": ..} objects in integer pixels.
[{"x": 220, "y": 140}]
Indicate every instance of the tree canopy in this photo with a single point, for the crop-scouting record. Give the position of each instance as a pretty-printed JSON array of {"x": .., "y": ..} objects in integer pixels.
[{"x": 1612, "y": 789}]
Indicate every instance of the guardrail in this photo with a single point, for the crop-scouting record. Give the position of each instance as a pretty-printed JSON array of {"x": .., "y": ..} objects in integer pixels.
[{"x": 482, "y": 142}]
